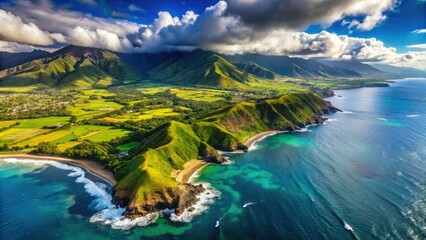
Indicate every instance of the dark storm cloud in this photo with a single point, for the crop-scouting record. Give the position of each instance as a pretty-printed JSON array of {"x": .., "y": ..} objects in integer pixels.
[{"x": 296, "y": 14}]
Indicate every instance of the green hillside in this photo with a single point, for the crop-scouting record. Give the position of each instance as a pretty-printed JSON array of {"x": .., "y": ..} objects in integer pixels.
[
  {"x": 200, "y": 68},
  {"x": 71, "y": 67},
  {"x": 169, "y": 147}
]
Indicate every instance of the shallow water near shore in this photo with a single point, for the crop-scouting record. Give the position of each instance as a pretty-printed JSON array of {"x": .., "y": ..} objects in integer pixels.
[{"x": 365, "y": 166}]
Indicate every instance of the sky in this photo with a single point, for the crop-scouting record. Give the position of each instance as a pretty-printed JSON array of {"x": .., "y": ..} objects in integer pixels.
[{"x": 374, "y": 31}]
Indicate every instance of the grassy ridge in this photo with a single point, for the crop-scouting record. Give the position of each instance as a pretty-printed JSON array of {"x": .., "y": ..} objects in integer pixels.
[
  {"x": 71, "y": 67},
  {"x": 169, "y": 147},
  {"x": 166, "y": 149}
]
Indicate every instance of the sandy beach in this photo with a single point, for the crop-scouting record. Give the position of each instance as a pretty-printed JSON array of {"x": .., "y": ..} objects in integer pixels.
[
  {"x": 190, "y": 168},
  {"x": 259, "y": 136},
  {"x": 90, "y": 166}
]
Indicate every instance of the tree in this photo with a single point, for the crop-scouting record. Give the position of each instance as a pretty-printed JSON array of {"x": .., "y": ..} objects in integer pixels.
[
  {"x": 5, "y": 147},
  {"x": 47, "y": 148},
  {"x": 73, "y": 119}
]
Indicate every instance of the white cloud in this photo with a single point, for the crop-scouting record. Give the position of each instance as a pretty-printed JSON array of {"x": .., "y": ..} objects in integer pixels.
[
  {"x": 89, "y": 2},
  {"x": 14, "y": 29},
  {"x": 135, "y": 8},
  {"x": 15, "y": 47},
  {"x": 417, "y": 46},
  {"x": 225, "y": 28},
  {"x": 417, "y": 31}
]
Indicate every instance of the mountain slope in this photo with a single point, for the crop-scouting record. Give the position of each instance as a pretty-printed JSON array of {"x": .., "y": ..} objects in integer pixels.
[
  {"x": 200, "y": 68},
  {"x": 400, "y": 71},
  {"x": 69, "y": 67},
  {"x": 8, "y": 60},
  {"x": 355, "y": 66},
  {"x": 149, "y": 185},
  {"x": 292, "y": 67}
]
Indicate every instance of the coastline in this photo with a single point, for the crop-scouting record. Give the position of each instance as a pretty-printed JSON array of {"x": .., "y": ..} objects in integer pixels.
[
  {"x": 252, "y": 140},
  {"x": 91, "y": 167},
  {"x": 190, "y": 169}
]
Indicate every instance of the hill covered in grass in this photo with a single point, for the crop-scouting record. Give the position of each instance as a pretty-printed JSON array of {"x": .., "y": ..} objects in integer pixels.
[
  {"x": 149, "y": 185},
  {"x": 71, "y": 67},
  {"x": 200, "y": 68}
]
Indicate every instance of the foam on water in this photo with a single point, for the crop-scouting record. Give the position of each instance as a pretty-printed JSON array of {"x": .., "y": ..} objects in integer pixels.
[
  {"x": 254, "y": 145},
  {"x": 413, "y": 115},
  {"x": 109, "y": 214},
  {"x": 331, "y": 120},
  {"x": 382, "y": 119},
  {"x": 204, "y": 200}
]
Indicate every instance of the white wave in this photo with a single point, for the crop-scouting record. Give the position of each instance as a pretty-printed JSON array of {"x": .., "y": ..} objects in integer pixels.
[
  {"x": 218, "y": 223},
  {"x": 254, "y": 144},
  {"x": 413, "y": 115},
  {"x": 204, "y": 199},
  {"x": 248, "y": 204},
  {"x": 346, "y": 112},
  {"x": 228, "y": 162},
  {"x": 383, "y": 119},
  {"x": 305, "y": 129},
  {"x": 332, "y": 120},
  {"x": 399, "y": 173},
  {"x": 108, "y": 213}
]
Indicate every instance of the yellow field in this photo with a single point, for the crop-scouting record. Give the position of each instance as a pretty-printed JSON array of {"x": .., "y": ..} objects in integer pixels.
[
  {"x": 208, "y": 95},
  {"x": 156, "y": 113},
  {"x": 14, "y": 135},
  {"x": 65, "y": 146},
  {"x": 49, "y": 137},
  {"x": 30, "y": 88},
  {"x": 4, "y": 124}
]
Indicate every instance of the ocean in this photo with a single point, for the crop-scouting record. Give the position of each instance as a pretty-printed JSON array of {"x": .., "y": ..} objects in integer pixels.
[{"x": 365, "y": 166}]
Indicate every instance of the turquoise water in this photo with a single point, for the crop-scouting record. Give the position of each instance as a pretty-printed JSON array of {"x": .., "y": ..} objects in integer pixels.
[{"x": 366, "y": 166}]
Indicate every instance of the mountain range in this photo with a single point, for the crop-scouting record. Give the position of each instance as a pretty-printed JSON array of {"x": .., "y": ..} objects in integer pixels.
[{"x": 85, "y": 67}]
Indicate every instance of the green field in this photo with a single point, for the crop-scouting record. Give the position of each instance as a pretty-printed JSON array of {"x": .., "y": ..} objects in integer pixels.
[
  {"x": 23, "y": 135},
  {"x": 156, "y": 113},
  {"x": 42, "y": 122},
  {"x": 128, "y": 146},
  {"x": 208, "y": 95},
  {"x": 14, "y": 135},
  {"x": 92, "y": 108}
]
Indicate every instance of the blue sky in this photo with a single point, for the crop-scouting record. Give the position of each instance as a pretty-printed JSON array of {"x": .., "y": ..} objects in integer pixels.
[
  {"x": 367, "y": 30},
  {"x": 395, "y": 31}
]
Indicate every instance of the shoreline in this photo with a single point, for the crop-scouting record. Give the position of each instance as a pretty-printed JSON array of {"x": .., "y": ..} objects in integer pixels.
[
  {"x": 252, "y": 140},
  {"x": 190, "y": 169},
  {"x": 91, "y": 167}
]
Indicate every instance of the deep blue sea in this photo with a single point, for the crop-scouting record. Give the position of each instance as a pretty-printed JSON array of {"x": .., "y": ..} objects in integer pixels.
[{"x": 366, "y": 166}]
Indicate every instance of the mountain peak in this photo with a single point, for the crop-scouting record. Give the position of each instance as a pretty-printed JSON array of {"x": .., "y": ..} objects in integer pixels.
[{"x": 78, "y": 51}]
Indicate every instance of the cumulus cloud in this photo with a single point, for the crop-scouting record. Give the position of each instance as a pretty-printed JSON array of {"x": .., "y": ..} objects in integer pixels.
[
  {"x": 14, "y": 29},
  {"x": 15, "y": 47},
  {"x": 237, "y": 26},
  {"x": 215, "y": 29}
]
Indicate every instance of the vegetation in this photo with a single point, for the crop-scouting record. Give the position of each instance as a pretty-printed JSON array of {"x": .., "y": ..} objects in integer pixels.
[
  {"x": 91, "y": 103},
  {"x": 170, "y": 146},
  {"x": 47, "y": 148}
]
